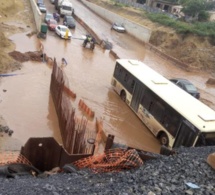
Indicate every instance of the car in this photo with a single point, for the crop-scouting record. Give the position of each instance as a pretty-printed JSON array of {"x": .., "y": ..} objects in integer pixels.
[
  {"x": 69, "y": 21},
  {"x": 118, "y": 27},
  {"x": 56, "y": 17},
  {"x": 48, "y": 16},
  {"x": 42, "y": 8},
  {"x": 62, "y": 30},
  {"x": 40, "y": 2},
  {"x": 52, "y": 23},
  {"x": 52, "y": 1},
  {"x": 186, "y": 86}
]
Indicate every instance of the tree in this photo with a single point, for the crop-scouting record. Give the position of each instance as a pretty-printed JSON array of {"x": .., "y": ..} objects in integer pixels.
[
  {"x": 173, "y": 1},
  {"x": 194, "y": 7}
]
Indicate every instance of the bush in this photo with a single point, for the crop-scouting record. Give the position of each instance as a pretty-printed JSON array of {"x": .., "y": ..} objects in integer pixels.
[
  {"x": 203, "y": 16},
  {"x": 198, "y": 28}
]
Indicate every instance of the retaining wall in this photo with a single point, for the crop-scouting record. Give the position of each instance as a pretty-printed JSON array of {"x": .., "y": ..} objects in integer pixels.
[
  {"x": 138, "y": 31},
  {"x": 37, "y": 14}
]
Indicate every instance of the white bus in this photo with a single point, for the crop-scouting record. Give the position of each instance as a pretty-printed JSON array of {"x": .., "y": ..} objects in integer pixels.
[{"x": 175, "y": 117}]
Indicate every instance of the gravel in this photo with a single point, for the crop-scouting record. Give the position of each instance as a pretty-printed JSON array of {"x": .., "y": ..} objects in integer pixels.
[{"x": 186, "y": 172}]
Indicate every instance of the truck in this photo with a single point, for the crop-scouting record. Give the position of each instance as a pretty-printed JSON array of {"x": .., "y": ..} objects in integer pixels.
[{"x": 64, "y": 7}]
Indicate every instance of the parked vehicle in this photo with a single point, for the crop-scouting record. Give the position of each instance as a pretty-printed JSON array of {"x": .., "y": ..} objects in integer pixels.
[
  {"x": 43, "y": 31},
  {"x": 69, "y": 21},
  {"x": 56, "y": 17},
  {"x": 42, "y": 8},
  {"x": 64, "y": 7},
  {"x": 40, "y": 2},
  {"x": 52, "y": 24},
  {"x": 187, "y": 86},
  {"x": 118, "y": 27},
  {"x": 63, "y": 31},
  {"x": 48, "y": 16},
  {"x": 52, "y": 1}
]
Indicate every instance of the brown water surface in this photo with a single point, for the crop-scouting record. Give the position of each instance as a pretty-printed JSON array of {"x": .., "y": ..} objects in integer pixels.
[{"x": 28, "y": 108}]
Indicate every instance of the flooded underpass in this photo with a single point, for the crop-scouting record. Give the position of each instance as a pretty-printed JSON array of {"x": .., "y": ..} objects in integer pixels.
[{"x": 32, "y": 114}]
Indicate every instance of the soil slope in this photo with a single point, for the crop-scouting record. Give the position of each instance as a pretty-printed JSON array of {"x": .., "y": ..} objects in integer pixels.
[{"x": 15, "y": 17}]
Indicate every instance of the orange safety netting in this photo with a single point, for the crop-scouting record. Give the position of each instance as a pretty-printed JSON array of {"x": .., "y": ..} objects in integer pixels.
[
  {"x": 12, "y": 157},
  {"x": 113, "y": 160}
]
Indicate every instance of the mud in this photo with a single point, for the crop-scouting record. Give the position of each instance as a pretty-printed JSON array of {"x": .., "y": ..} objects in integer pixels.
[{"x": 23, "y": 57}]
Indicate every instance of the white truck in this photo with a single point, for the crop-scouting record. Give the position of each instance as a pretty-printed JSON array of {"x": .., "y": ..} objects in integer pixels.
[{"x": 64, "y": 7}]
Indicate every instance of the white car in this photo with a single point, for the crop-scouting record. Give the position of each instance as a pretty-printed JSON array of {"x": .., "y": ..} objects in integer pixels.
[
  {"x": 118, "y": 27},
  {"x": 42, "y": 8},
  {"x": 63, "y": 32}
]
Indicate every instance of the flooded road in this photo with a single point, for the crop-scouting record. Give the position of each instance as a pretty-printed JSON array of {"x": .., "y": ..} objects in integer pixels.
[{"x": 28, "y": 109}]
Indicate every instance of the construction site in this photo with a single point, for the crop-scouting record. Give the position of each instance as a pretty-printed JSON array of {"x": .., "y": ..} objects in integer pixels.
[{"x": 84, "y": 156}]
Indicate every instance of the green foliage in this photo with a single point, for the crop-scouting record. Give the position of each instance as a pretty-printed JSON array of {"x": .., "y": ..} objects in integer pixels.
[
  {"x": 162, "y": 19},
  {"x": 205, "y": 28},
  {"x": 193, "y": 7},
  {"x": 198, "y": 28},
  {"x": 203, "y": 16},
  {"x": 119, "y": 4},
  {"x": 115, "y": 3},
  {"x": 173, "y": 1}
]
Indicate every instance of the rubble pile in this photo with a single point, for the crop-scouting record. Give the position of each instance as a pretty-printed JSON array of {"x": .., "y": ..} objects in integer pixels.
[
  {"x": 185, "y": 172},
  {"x": 23, "y": 57}
]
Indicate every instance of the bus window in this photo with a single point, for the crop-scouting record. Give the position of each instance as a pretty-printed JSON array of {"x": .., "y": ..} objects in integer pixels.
[
  {"x": 117, "y": 71},
  {"x": 126, "y": 77},
  {"x": 148, "y": 100},
  {"x": 158, "y": 110},
  {"x": 171, "y": 121},
  {"x": 185, "y": 136},
  {"x": 132, "y": 84},
  {"x": 120, "y": 72}
]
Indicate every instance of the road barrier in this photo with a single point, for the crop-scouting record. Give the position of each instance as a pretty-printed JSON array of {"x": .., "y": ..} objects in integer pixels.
[
  {"x": 87, "y": 111},
  {"x": 37, "y": 14},
  {"x": 90, "y": 30}
]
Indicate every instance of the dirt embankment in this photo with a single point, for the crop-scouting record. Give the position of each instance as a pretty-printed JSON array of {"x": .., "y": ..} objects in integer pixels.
[
  {"x": 15, "y": 17},
  {"x": 197, "y": 52}
]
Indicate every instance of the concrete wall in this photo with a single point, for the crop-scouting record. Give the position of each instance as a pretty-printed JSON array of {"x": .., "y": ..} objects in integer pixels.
[
  {"x": 138, "y": 31},
  {"x": 37, "y": 14}
]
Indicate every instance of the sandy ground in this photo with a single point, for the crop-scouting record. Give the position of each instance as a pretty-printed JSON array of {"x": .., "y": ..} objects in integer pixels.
[{"x": 15, "y": 17}]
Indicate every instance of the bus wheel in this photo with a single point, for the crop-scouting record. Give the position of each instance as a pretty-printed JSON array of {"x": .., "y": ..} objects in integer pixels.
[
  {"x": 123, "y": 96},
  {"x": 164, "y": 139}
]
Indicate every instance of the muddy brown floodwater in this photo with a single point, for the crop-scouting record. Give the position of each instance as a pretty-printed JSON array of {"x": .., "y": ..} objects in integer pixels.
[{"x": 28, "y": 108}]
